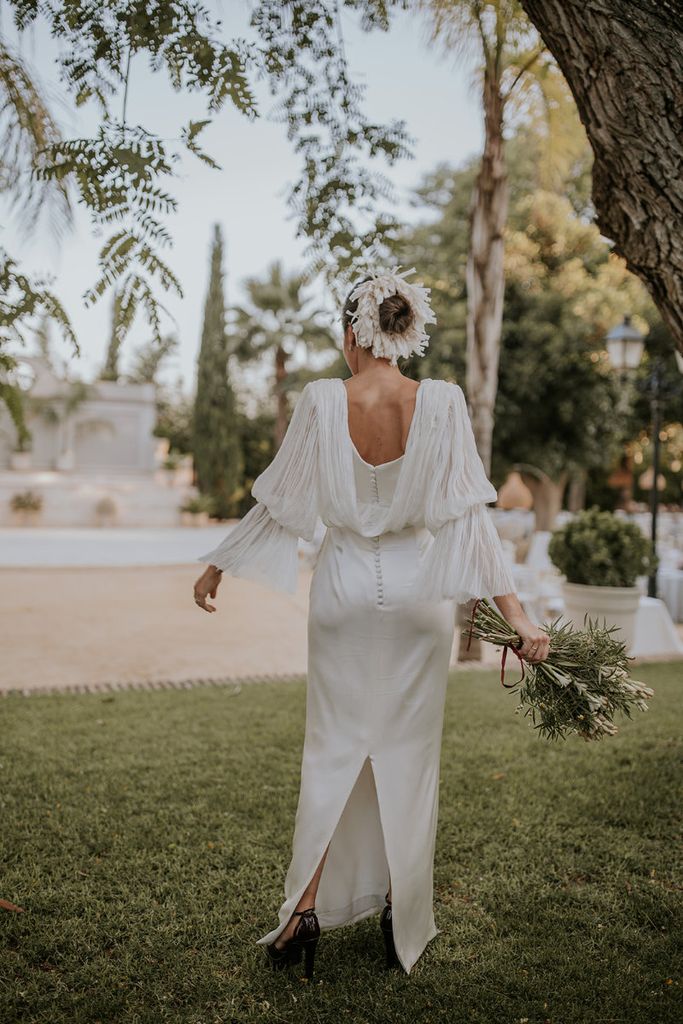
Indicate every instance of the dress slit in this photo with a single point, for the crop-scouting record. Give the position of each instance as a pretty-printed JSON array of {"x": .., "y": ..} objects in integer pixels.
[{"x": 356, "y": 860}]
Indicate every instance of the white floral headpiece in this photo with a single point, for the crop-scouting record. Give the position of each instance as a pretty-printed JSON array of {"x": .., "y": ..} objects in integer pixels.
[{"x": 365, "y": 320}]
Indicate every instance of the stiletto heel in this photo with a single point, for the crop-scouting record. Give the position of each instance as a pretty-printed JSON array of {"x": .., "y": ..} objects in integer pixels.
[
  {"x": 385, "y": 923},
  {"x": 309, "y": 950},
  {"x": 303, "y": 942}
]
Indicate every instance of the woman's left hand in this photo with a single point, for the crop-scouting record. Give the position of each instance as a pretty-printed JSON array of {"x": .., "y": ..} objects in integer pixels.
[{"x": 207, "y": 586}]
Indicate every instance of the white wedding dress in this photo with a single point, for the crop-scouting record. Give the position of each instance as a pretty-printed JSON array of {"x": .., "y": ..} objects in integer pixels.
[{"x": 405, "y": 541}]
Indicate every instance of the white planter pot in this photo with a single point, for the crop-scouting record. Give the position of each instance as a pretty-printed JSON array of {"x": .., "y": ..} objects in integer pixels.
[
  {"x": 20, "y": 460},
  {"x": 618, "y": 606},
  {"x": 26, "y": 517}
]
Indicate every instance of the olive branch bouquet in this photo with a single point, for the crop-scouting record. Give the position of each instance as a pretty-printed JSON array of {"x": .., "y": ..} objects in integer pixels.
[{"x": 583, "y": 682}]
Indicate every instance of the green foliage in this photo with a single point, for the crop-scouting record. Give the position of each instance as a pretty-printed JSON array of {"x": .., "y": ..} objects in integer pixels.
[
  {"x": 149, "y": 358},
  {"x": 563, "y": 293},
  {"x": 26, "y": 501},
  {"x": 322, "y": 111},
  {"x": 527, "y": 156},
  {"x": 659, "y": 347},
  {"x": 121, "y": 173},
  {"x": 279, "y": 322},
  {"x": 179, "y": 36},
  {"x": 215, "y": 439},
  {"x": 582, "y": 684},
  {"x": 258, "y": 449},
  {"x": 174, "y": 419},
  {"x": 199, "y": 504},
  {"x": 437, "y": 247},
  {"x": 279, "y": 315},
  {"x": 22, "y": 301},
  {"x": 600, "y": 549},
  {"x": 27, "y": 129},
  {"x": 116, "y": 174},
  {"x": 57, "y": 409}
]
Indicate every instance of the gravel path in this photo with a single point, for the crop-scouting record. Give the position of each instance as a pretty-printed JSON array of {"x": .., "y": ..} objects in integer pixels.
[{"x": 80, "y": 627}]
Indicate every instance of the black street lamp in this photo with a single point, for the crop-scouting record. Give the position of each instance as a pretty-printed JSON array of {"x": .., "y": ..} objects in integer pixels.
[{"x": 625, "y": 347}]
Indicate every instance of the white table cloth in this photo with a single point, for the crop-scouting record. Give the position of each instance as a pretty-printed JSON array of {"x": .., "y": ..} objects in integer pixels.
[
  {"x": 655, "y": 634},
  {"x": 670, "y": 591}
]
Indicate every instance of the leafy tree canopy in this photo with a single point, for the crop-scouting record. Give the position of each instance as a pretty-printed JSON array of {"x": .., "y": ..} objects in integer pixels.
[
  {"x": 123, "y": 173},
  {"x": 564, "y": 290}
]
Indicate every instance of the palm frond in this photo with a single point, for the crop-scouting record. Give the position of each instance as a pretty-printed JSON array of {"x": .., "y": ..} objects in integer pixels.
[{"x": 27, "y": 129}]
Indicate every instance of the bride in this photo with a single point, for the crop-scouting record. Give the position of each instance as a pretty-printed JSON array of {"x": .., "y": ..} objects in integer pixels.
[{"x": 391, "y": 469}]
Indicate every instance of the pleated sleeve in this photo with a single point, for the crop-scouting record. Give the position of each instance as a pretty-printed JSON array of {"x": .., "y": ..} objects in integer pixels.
[
  {"x": 264, "y": 545},
  {"x": 466, "y": 558}
]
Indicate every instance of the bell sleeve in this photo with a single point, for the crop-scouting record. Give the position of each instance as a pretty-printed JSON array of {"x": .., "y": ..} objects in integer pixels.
[
  {"x": 466, "y": 558},
  {"x": 264, "y": 545}
]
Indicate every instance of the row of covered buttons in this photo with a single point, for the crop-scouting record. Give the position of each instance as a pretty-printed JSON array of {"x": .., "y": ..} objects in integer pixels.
[{"x": 378, "y": 564}]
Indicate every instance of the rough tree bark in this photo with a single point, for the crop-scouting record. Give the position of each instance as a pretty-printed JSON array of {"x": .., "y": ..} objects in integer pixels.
[
  {"x": 623, "y": 61},
  {"x": 485, "y": 271}
]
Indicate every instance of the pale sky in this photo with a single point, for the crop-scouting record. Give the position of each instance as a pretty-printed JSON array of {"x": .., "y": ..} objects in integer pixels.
[{"x": 404, "y": 78}]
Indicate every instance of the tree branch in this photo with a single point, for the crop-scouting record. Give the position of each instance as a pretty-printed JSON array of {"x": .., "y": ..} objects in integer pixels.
[{"x": 523, "y": 70}]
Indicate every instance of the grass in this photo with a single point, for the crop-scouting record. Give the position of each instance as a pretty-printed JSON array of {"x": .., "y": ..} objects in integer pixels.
[{"x": 146, "y": 834}]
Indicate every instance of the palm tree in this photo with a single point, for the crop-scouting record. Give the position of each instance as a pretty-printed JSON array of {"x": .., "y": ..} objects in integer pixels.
[
  {"x": 278, "y": 320},
  {"x": 149, "y": 357},
  {"x": 516, "y": 75},
  {"x": 27, "y": 129}
]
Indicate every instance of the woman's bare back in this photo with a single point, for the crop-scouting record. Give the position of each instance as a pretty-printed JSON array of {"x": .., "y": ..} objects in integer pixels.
[{"x": 380, "y": 411}]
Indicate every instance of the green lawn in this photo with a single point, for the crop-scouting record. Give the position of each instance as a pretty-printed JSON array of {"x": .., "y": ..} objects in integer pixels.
[{"x": 146, "y": 834}]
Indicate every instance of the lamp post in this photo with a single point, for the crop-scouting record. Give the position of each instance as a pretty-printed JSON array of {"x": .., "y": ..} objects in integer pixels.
[{"x": 625, "y": 347}]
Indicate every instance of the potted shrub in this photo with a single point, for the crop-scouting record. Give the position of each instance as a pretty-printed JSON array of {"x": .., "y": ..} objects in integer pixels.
[
  {"x": 196, "y": 511},
  {"x": 601, "y": 556},
  {"x": 106, "y": 511},
  {"x": 26, "y": 506}
]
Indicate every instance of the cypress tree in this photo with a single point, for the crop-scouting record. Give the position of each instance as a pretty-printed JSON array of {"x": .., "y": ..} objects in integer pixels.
[{"x": 215, "y": 434}]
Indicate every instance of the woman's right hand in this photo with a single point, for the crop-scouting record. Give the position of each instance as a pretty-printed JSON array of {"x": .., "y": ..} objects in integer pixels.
[{"x": 207, "y": 586}]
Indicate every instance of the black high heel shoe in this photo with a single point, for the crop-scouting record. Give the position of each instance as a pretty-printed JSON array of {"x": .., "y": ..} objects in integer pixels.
[
  {"x": 385, "y": 923},
  {"x": 303, "y": 942}
]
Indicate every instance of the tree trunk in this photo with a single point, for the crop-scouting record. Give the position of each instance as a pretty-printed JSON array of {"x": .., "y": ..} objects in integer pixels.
[
  {"x": 548, "y": 495},
  {"x": 576, "y": 495},
  {"x": 282, "y": 413},
  {"x": 485, "y": 271},
  {"x": 623, "y": 62}
]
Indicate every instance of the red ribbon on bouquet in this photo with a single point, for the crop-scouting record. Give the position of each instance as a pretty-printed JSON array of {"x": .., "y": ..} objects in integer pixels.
[
  {"x": 504, "y": 654},
  {"x": 508, "y": 686}
]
